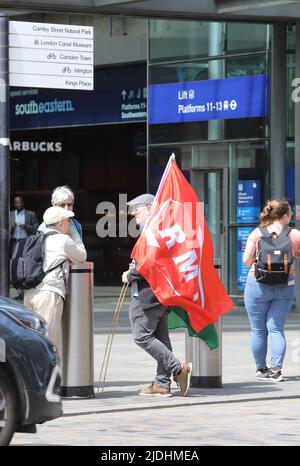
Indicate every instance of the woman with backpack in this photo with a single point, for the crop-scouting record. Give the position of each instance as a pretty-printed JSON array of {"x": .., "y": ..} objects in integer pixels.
[{"x": 270, "y": 286}]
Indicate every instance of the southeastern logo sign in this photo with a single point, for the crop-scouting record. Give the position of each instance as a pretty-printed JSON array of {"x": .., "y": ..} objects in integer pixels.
[
  {"x": 117, "y": 97},
  {"x": 53, "y": 106}
]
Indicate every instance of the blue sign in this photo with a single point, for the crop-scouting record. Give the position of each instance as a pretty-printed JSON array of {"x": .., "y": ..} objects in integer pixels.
[
  {"x": 120, "y": 95},
  {"x": 290, "y": 184},
  {"x": 216, "y": 99},
  {"x": 248, "y": 201},
  {"x": 242, "y": 269}
]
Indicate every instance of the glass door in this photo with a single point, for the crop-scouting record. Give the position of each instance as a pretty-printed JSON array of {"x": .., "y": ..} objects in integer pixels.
[{"x": 216, "y": 171}]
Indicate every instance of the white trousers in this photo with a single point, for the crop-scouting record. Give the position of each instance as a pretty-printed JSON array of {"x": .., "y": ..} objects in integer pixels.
[{"x": 49, "y": 306}]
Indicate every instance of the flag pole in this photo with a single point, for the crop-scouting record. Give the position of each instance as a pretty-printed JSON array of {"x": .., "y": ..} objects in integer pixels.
[
  {"x": 111, "y": 334},
  {"x": 165, "y": 173}
]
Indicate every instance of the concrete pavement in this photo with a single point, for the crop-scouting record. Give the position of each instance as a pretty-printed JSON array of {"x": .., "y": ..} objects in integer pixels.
[
  {"x": 130, "y": 368},
  {"x": 237, "y": 413}
]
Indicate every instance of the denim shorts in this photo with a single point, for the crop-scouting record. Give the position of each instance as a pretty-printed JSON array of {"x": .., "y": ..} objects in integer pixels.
[{"x": 263, "y": 293}]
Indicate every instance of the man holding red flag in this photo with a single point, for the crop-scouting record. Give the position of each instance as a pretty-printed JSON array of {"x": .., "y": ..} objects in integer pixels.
[
  {"x": 174, "y": 253},
  {"x": 149, "y": 320}
]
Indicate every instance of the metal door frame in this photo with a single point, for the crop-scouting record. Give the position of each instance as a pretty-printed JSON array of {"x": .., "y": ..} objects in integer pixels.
[{"x": 197, "y": 184}]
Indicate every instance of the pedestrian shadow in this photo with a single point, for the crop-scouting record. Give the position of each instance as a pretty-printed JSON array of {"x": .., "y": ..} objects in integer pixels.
[
  {"x": 107, "y": 393},
  {"x": 245, "y": 388},
  {"x": 110, "y": 389},
  {"x": 292, "y": 378},
  {"x": 121, "y": 383},
  {"x": 228, "y": 392}
]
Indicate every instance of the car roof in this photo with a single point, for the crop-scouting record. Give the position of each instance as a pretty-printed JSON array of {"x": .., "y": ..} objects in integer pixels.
[{"x": 8, "y": 302}]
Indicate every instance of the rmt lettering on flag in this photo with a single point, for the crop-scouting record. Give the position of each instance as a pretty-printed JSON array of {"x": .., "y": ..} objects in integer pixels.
[
  {"x": 172, "y": 231},
  {"x": 175, "y": 255}
]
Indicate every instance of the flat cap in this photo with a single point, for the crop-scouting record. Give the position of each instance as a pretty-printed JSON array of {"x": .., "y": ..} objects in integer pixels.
[
  {"x": 143, "y": 199},
  {"x": 55, "y": 214}
]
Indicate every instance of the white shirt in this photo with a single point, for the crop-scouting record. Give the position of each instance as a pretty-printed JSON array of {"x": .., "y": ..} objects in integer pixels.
[
  {"x": 59, "y": 248},
  {"x": 20, "y": 233}
]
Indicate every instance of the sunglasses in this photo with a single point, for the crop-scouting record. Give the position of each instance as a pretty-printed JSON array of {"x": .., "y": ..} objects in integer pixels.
[
  {"x": 67, "y": 220},
  {"x": 136, "y": 209},
  {"x": 64, "y": 204}
]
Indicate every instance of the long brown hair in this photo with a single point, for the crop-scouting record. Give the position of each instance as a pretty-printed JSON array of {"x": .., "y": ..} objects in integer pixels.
[{"x": 274, "y": 210}]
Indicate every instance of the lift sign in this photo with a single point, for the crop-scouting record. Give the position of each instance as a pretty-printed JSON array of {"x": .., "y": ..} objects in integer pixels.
[{"x": 216, "y": 99}]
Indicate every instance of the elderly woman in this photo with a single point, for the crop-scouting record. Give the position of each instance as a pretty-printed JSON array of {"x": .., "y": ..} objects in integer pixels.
[
  {"x": 47, "y": 298},
  {"x": 63, "y": 196}
]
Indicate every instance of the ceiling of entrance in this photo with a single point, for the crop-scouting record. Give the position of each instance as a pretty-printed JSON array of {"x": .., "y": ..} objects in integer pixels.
[{"x": 258, "y": 10}]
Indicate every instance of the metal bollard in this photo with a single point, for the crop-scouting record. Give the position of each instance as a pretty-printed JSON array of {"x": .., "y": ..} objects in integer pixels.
[
  {"x": 77, "y": 333},
  {"x": 207, "y": 364}
]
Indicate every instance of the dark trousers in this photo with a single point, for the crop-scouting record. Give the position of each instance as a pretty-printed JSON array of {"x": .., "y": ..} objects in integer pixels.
[{"x": 150, "y": 332}]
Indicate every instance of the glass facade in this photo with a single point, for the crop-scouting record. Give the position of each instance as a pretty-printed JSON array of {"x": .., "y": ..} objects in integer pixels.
[
  {"x": 290, "y": 116},
  {"x": 218, "y": 155},
  {"x": 230, "y": 156},
  {"x": 97, "y": 146}
]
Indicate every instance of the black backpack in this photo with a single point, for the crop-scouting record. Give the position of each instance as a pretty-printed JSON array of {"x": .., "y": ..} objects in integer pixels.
[
  {"x": 27, "y": 261},
  {"x": 273, "y": 257}
]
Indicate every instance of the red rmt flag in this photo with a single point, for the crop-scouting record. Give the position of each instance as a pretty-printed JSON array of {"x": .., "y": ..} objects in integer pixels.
[{"x": 175, "y": 254}]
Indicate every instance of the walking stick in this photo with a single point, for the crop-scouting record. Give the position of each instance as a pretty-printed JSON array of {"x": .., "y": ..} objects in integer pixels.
[{"x": 111, "y": 336}]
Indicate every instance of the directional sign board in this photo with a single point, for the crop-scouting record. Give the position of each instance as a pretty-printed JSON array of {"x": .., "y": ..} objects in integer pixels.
[{"x": 48, "y": 55}]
